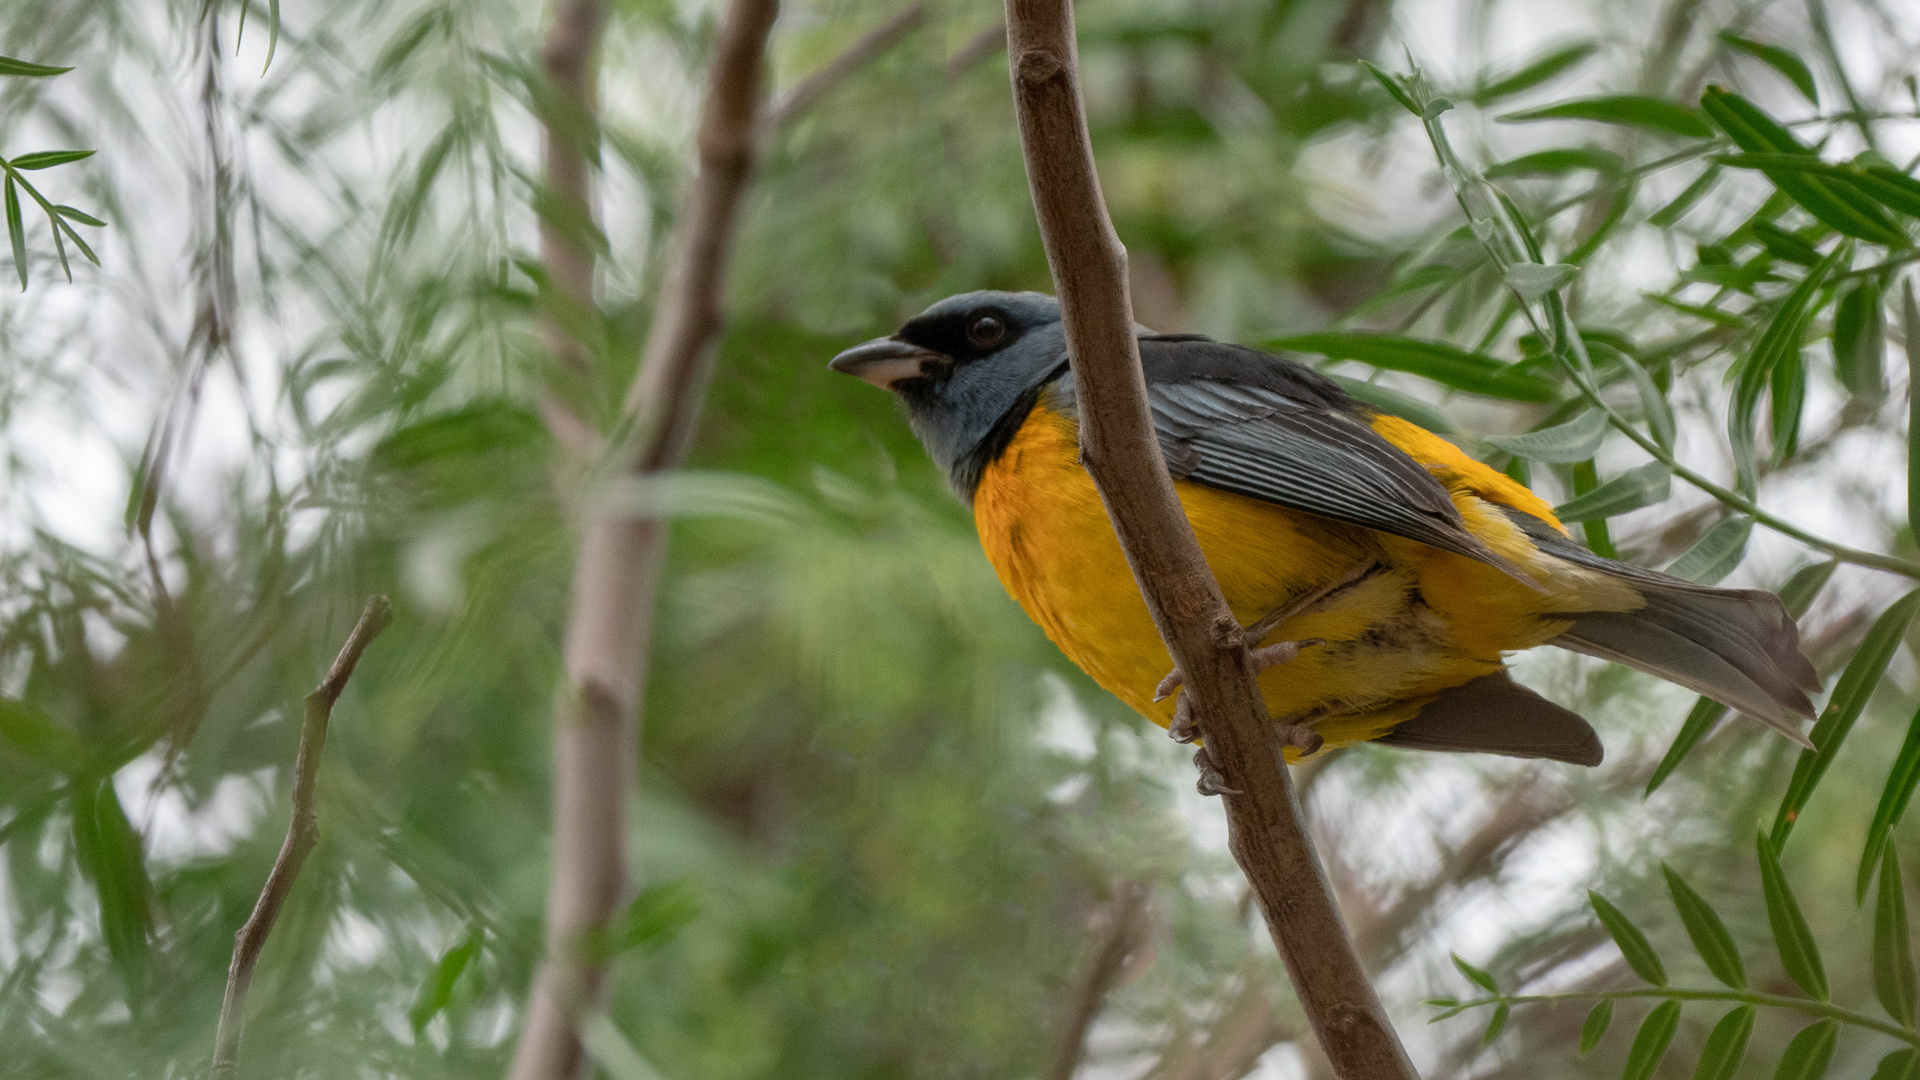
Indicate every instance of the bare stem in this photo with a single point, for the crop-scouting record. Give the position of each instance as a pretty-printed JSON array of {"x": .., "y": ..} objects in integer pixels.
[
  {"x": 1124, "y": 927},
  {"x": 838, "y": 70},
  {"x": 596, "y": 714},
  {"x": 303, "y": 831},
  {"x": 1265, "y": 830}
]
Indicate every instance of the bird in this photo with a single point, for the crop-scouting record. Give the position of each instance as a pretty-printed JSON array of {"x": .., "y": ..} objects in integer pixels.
[{"x": 1383, "y": 575}]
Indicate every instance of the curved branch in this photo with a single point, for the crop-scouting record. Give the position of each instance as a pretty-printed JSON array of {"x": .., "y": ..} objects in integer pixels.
[{"x": 1265, "y": 830}]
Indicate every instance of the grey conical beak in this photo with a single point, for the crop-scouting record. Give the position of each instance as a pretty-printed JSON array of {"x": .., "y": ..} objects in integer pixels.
[{"x": 885, "y": 361}]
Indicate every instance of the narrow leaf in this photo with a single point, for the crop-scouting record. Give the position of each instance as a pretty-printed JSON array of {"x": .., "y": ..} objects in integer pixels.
[
  {"x": 1899, "y": 1065},
  {"x": 1715, "y": 555},
  {"x": 1910, "y": 327},
  {"x": 1633, "y": 110},
  {"x": 17, "y": 232},
  {"x": 1726, "y": 1045},
  {"x": 1478, "y": 976},
  {"x": 1633, "y": 944},
  {"x": 110, "y": 855},
  {"x": 1653, "y": 402},
  {"x": 1443, "y": 363},
  {"x": 1535, "y": 72},
  {"x": 1779, "y": 59},
  {"x": 1395, "y": 403},
  {"x": 1849, "y": 697},
  {"x": 1810, "y": 1052},
  {"x": 47, "y": 159},
  {"x": 1706, "y": 713},
  {"x": 1650, "y": 1044},
  {"x": 1798, "y": 953},
  {"x": 1788, "y": 396},
  {"x": 1394, "y": 87},
  {"x": 1631, "y": 490},
  {"x": 1497, "y": 1024},
  {"x": 10, "y": 66},
  {"x": 33, "y": 733},
  {"x": 437, "y": 994},
  {"x": 1893, "y": 980},
  {"x": 1557, "y": 161},
  {"x": 1533, "y": 280},
  {"x": 1901, "y": 780},
  {"x": 1564, "y": 444},
  {"x": 1709, "y": 934},
  {"x": 1595, "y": 1027},
  {"x": 80, "y": 216},
  {"x": 1805, "y": 584},
  {"x": 1667, "y": 215},
  {"x": 1757, "y": 133},
  {"x": 1860, "y": 341}
]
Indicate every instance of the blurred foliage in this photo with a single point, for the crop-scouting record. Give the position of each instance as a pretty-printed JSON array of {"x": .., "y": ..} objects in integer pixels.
[{"x": 880, "y": 818}]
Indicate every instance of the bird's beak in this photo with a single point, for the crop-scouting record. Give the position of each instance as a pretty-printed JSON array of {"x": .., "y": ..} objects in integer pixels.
[{"x": 885, "y": 361}]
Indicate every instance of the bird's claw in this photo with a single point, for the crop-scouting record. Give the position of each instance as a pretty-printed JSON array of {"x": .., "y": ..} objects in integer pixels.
[
  {"x": 1212, "y": 781},
  {"x": 1301, "y": 737}
]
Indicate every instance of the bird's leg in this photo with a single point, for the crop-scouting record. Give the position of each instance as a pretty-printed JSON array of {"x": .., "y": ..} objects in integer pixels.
[
  {"x": 1211, "y": 781},
  {"x": 1264, "y": 657}
]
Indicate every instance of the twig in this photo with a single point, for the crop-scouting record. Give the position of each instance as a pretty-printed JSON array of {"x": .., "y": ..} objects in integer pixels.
[
  {"x": 597, "y": 714},
  {"x": 1265, "y": 831},
  {"x": 303, "y": 831},
  {"x": 976, "y": 50},
  {"x": 1244, "y": 1031},
  {"x": 1125, "y": 927},
  {"x": 570, "y": 132},
  {"x": 836, "y": 71}
]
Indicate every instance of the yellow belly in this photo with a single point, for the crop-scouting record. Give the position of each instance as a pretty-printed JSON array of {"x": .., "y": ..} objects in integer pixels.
[{"x": 1428, "y": 620}]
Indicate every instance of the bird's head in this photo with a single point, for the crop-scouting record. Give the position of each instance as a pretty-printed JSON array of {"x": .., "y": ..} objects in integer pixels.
[{"x": 961, "y": 365}]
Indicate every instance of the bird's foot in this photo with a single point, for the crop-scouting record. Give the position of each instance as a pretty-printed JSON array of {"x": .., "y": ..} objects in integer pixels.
[
  {"x": 1211, "y": 781},
  {"x": 1184, "y": 729}
]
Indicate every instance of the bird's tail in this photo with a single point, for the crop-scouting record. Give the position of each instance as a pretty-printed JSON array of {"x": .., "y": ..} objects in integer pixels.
[{"x": 1739, "y": 647}]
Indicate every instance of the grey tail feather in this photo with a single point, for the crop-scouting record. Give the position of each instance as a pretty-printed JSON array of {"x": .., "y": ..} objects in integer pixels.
[
  {"x": 1739, "y": 647},
  {"x": 1495, "y": 715}
]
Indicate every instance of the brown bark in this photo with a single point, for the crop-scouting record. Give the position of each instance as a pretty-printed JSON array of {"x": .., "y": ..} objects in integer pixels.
[
  {"x": 597, "y": 714},
  {"x": 303, "y": 831},
  {"x": 1123, "y": 931},
  {"x": 1265, "y": 830}
]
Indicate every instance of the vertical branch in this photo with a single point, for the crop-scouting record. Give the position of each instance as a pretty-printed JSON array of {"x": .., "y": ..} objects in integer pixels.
[
  {"x": 1123, "y": 930},
  {"x": 1265, "y": 831},
  {"x": 303, "y": 831},
  {"x": 596, "y": 714},
  {"x": 570, "y": 136}
]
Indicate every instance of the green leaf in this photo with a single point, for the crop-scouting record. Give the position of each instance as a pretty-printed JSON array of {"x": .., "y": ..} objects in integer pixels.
[
  {"x": 110, "y": 855},
  {"x": 1726, "y": 1045},
  {"x": 1534, "y": 280},
  {"x": 1443, "y": 363},
  {"x": 33, "y": 733},
  {"x": 1633, "y": 944},
  {"x": 1910, "y": 329},
  {"x": 1805, "y": 584},
  {"x": 1757, "y": 133},
  {"x": 47, "y": 159},
  {"x": 1667, "y": 215},
  {"x": 1651, "y": 1042},
  {"x": 1899, "y": 1065},
  {"x": 17, "y": 232},
  {"x": 655, "y": 916},
  {"x": 437, "y": 994},
  {"x": 1534, "y": 72},
  {"x": 1653, "y": 402},
  {"x": 1563, "y": 444},
  {"x": 1893, "y": 980},
  {"x": 1754, "y": 374},
  {"x": 1555, "y": 162},
  {"x": 1394, "y": 87},
  {"x": 1810, "y": 1052},
  {"x": 1715, "y": 555},
  {"x": 1860, "y": 340},
  {"x": 1633, "y": 110},
  {"x": 80, "y": 216},
  {"x": 1477, "y": 976},
  {"x": 1889, "y": 186},
  {"x": 1849, "y": 697},
  {"x": 1706, "y": 713},
  {"x": 1497, "y": 1024},
  {"x": 1798, "y": 953},
  {"x": 1595, "y": 1027},
  {"x": 1788, "y": 396},
  {"x": 1780, "y": 60},
  {"x": 10, "y": 66},
  {"x": 1395, "y": 403},
  {"x": 1709, "y": 934},
  {"x": 1631, "y": 490},
  {"x": 1901, "y": 780},
  {"x": 1782, "y": 244}
]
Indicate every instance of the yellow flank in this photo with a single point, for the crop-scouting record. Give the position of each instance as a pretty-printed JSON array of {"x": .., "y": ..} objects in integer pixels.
[{"x": 1422, "y": 621}]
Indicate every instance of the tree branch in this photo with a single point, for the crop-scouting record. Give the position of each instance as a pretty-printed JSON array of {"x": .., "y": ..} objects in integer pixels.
[
  {"x": 616, "y": 575},
  {"x": 303, "y": 831},
  {"x": 569, "y": 134},
  {"x": 1118, "y": 448},
  {"x": 1124, "y": 930},
  {"x": 838, "y": 70}
]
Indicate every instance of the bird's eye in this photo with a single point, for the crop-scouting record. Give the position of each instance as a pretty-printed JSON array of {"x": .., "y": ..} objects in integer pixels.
[{"x": 986, "y": 331}]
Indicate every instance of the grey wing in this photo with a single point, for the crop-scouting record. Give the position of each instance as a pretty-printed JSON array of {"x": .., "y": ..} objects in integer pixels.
[
  {"x": 1259, "y": 443},
  {"x": 1495, "y": 715}
]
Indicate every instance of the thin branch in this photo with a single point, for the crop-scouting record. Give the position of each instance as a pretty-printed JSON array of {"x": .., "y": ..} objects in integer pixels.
[
  {"x": 1244, "y": 1031},
  {"x": 1122, "y": 935},
  {"x": 977, "y": 48},
  {"x": 570, "y": 132},
  {"x": 1265, "y": 830},
  {"x": 303, "y": 831},
  {"x": 841, "y": 68},
  {"x": 616, "y": 574}
]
